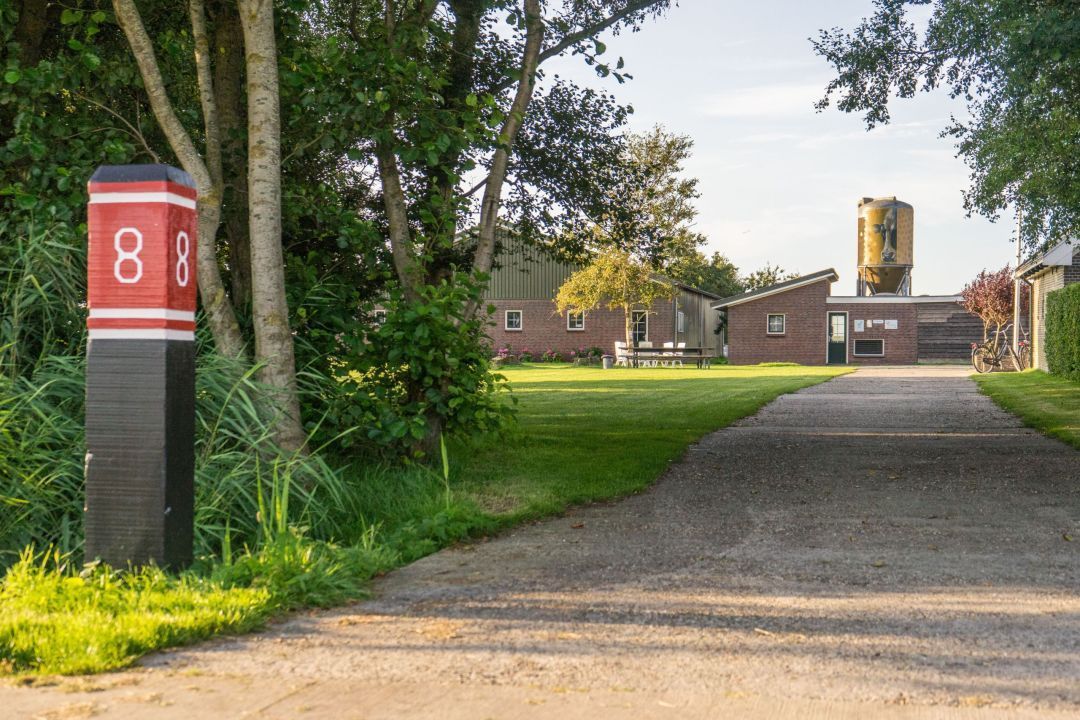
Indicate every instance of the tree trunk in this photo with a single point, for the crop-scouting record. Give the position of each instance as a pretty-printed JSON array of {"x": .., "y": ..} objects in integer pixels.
[
  {"x": 30, "y": 30},
  {"x": 270, "y": 312},
  {"x": 500, "y": 162},
  {"x": 628, "y": 314},
  {"x": 229, "y": 83},
  {"x": 216, "y": 305}
]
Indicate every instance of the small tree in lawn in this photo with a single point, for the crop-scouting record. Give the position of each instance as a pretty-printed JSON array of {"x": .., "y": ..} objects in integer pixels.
[
  {"x": 615, "y": 279},
  {"x": 990, "y": 296}
]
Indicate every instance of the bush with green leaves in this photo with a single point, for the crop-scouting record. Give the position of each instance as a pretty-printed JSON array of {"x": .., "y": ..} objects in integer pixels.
[
  {"x": 1063, "y": 332},
  {"x": 423, "y": 372}
]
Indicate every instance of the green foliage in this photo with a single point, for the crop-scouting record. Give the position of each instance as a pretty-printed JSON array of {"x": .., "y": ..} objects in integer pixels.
[
  {"x": 615, "y": 279},
  {"x": 648, "y": 204},
  {"x": 55, "y": 621},
  {"x": 1016, "y": 63},
  {"x": 716, "y": 275},
  {"x": 1063, "y": 332},
  {"x": 426, "y": 366},
  {"x": 766, "y": 276},
  {"x": 1048, "y": 403}
]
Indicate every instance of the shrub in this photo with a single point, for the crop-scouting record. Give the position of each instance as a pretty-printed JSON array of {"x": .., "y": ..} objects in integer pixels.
[
  {"x": 552, "y": 356},
  {"x": 1063, "y": 332},
  {"x": 526, "y": 355}
]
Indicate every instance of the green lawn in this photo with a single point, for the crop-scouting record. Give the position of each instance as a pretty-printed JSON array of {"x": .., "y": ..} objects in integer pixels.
[
  {"x": 1047, "y": 403},
  {"x": 583, "y": 434},
  {"x": 587, "y": 434}
]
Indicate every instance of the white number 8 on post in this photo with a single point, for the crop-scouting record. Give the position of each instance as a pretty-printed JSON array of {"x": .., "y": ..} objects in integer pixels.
[{"x": 123, "y": 256}]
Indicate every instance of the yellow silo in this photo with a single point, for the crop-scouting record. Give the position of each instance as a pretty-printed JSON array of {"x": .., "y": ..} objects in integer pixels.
[{"x": 886, "y": 246}]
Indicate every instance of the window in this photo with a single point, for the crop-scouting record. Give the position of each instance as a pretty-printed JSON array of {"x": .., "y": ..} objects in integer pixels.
[
  {"x": 680, "y": 322},
  {"x": 575, "y": 321},
  {"x": 869, "y": 348},
  {"x": 639, "y": 325},
  {"x": 776, "y": 324},
  {"x": 380, "y": 317},
  {"x": 513, "y": 320}
]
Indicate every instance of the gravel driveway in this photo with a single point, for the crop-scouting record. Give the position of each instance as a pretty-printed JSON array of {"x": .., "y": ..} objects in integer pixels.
[{"x": 887, "y": 544}]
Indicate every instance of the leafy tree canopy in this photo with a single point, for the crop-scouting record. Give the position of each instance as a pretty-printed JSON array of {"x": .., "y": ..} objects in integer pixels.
[
  {"x": 617, "y": 280},
  {"x": 714, "y": 274},
  {"x": 990, "y": 296},
  {"x": 1016, "y": 63},
  {"x": 766, "y": 276}
]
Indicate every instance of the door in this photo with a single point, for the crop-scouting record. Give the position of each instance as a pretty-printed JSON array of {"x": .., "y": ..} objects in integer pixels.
[{"x": 837, "y": 354}]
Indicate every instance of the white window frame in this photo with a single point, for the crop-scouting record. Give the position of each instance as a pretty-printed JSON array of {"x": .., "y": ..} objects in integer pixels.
[
  {"x": 521, "y": 321},
  {"x": 633, "y": 324},
  {"x": 783, "y": 323},
  {"x": 871, "y": 355},
  {"x": 379, "y": 317},
  {"x": 578, "y": 314}
]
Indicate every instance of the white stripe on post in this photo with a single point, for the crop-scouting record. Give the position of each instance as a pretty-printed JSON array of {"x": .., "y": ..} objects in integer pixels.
[
  {"x": 141, "y": 197},
  {"x": 141, "y": 334},
  {"x": 142, "y": 314}
]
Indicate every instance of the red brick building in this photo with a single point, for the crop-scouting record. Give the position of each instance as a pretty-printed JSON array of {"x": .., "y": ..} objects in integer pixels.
[
  {"x": 522, "y": 290},
  {"x": 801, "y": 321}
]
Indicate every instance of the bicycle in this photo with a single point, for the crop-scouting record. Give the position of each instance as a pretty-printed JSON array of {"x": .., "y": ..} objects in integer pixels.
[{"x": 990, "y": 354}]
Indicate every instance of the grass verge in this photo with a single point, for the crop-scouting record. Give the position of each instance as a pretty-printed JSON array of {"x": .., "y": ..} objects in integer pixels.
[
  {"x": 583, "y": 434},
  {"x": 1047, "y": 403}
]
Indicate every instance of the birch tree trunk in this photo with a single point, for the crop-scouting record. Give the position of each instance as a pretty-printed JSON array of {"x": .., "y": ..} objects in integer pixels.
[
  {"x": 270, "y": 312},
  {"x": 219, "y": 311},
  {"x": 500, "y": 162}
]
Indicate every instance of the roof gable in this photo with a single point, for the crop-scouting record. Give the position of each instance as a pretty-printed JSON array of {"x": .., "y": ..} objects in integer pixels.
[{"x": 828, "y": 275}]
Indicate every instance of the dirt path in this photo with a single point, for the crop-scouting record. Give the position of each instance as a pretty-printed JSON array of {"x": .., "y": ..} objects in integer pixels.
[{"x": 888, "y": 544}]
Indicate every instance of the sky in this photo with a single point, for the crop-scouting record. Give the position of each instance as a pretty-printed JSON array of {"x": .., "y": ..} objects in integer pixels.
[{"x": 780, "y": 182}]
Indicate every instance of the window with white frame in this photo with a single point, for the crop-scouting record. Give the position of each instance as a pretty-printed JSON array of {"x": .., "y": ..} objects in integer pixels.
[
  {"x": 380, "y": 317},
  {"x": 639, "y": 325},
  {"x": 575, "y": 321},
  {"x": 680, "y": 321},
  {"x": 513, "y": 320},
  {"x": 776, "y": 324}
]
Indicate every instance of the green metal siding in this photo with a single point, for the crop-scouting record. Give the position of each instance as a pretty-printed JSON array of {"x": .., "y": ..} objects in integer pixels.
[{"x": 525, "y": 273}]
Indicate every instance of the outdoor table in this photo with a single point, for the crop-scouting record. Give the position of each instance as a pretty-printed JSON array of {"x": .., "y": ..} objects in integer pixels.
[{"x": 700, "y": 355}]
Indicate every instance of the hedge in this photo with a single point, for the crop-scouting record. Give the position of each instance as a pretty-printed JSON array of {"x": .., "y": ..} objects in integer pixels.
[{"x": 1063, "y": 332}]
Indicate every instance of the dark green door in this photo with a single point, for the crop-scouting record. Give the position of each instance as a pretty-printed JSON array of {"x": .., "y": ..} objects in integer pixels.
[{"x": 837, "y": 338}]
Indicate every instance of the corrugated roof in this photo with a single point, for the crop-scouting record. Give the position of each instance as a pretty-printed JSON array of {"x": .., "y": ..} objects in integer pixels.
[{"x": 828, "y": 274}]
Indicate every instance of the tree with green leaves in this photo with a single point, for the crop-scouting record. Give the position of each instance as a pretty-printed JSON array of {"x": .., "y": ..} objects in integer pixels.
[
  {"x": 1016, "y": 64},
  {"x": 274, "y": 349},
  {"x": 716, "y": 274},
  {"x": 616, "y": 280},
  {"x": 647, "y": 206},
  {"x": 766, "y": 276}
]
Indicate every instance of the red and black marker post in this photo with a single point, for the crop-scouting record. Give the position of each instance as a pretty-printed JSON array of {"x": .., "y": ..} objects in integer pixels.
[{"x": 140, "y": 373}]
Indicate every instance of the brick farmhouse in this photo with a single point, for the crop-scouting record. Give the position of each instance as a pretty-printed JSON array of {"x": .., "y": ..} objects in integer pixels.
[
  {"x": 522, "y": 291},
  {"x": 801, "y": 321}
]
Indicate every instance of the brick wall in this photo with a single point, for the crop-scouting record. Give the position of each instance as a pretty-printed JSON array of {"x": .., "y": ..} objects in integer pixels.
[
  {"x": 803, "y": 340},
  {"x": 806, "y": 327},
  {"x": 901, "y": 344},
  {"x": 544, "y": 329}
]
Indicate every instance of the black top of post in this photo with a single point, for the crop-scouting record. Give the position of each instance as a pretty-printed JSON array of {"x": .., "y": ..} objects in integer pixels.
[{"x": 141, "y": 173}]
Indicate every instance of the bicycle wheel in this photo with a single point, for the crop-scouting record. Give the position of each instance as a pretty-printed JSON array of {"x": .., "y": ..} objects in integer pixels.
[
  {"x": 983, "y": 359},
  {"x": 1023, "y": 358}
]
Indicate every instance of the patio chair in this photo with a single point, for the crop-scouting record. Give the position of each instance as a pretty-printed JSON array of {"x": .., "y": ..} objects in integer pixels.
[
  {"x": 680, "y": 346},
  {"x": 622, "y": 357}
]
